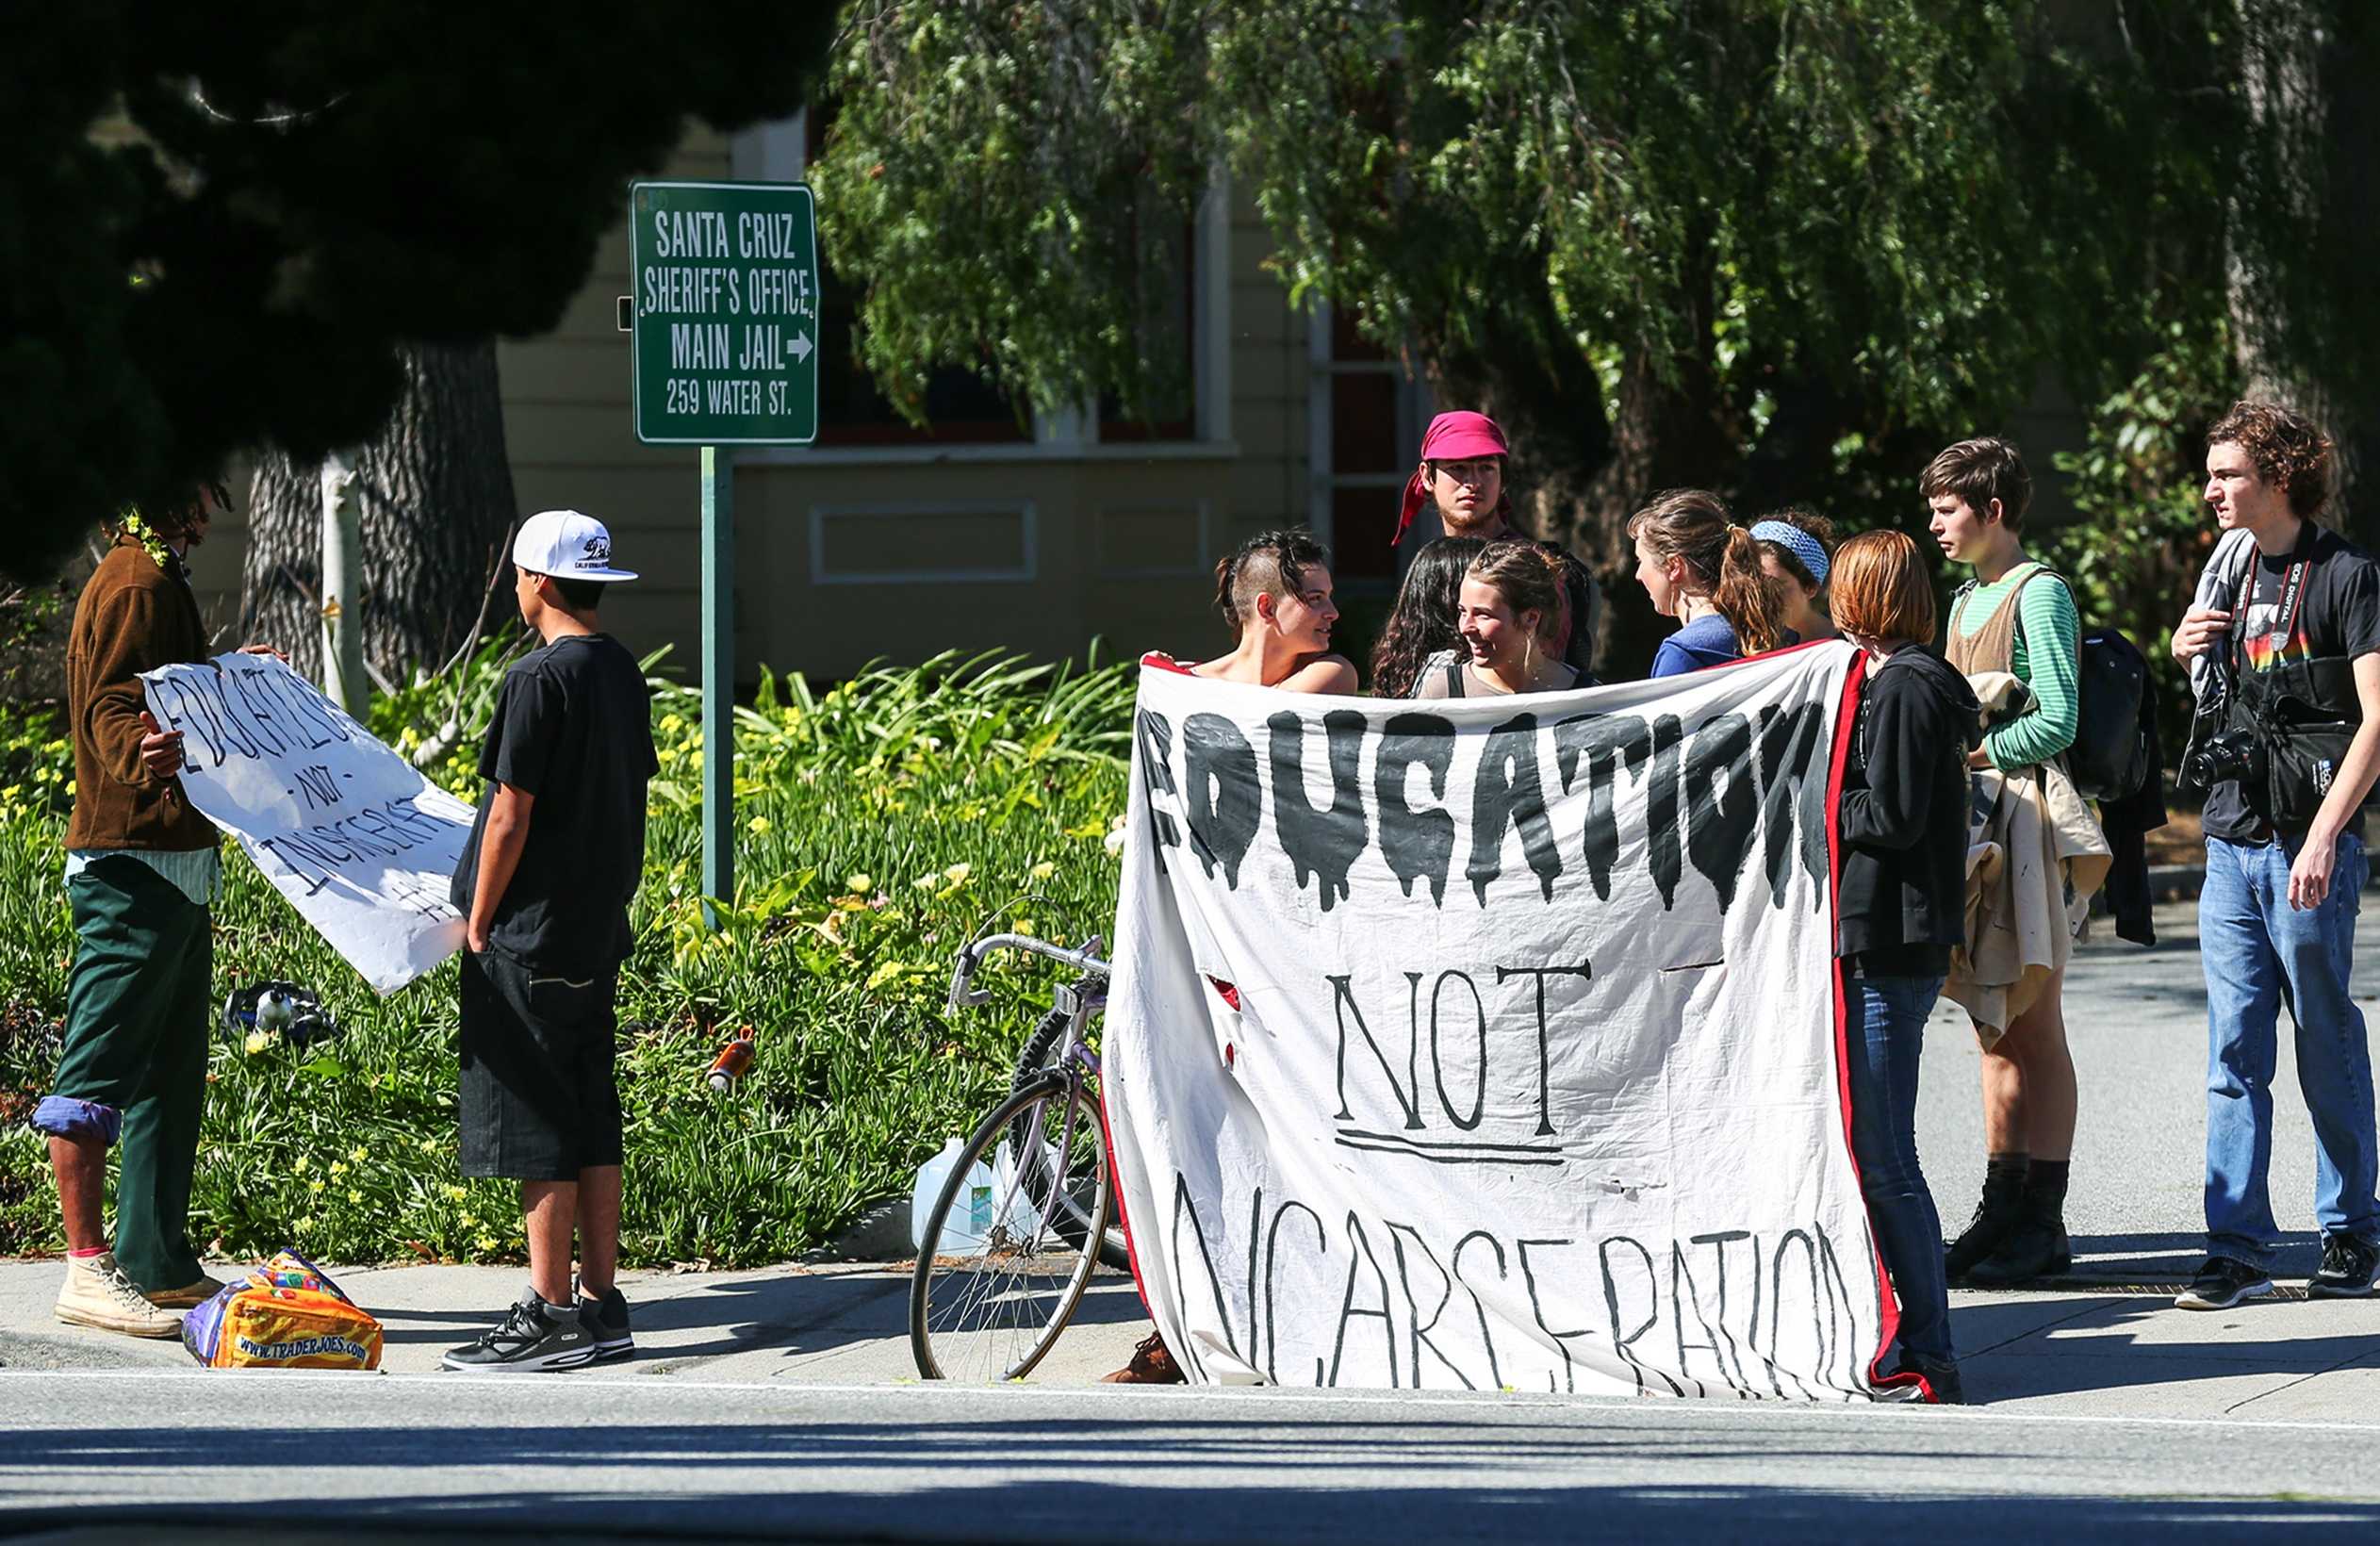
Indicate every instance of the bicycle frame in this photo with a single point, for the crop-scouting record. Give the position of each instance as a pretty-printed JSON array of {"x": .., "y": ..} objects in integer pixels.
[{"x": 1073, "y": 1055}]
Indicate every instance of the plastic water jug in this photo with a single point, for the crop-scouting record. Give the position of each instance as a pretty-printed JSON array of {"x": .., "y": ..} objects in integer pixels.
[
  {"x": 967, "y": 1228},
  {"x": 1022, "y": 1218}
]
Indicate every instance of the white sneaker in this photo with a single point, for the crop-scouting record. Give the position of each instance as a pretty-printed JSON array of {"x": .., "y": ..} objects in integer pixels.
[{"x": 97, "y": 1293}]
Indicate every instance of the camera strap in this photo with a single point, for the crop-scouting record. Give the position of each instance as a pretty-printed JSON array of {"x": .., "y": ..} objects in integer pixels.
[{"x": 2292, "y": 597}]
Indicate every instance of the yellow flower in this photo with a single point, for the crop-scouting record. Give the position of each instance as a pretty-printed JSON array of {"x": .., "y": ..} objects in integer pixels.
[
  {"x": 857, "y": 884},
  {"x": 1043, "y": 870},
  {"x": 457, "y": 1194},
  {"x": 257, "y": 1041},
  {"x": 957, "y": 874},
  {"x": 487, "y": 1242},
  {"x": 428, "y": 1144},
  {"x": 300, "y": 1164},
  {"x": 1022, "y": 926},
  {"x": 303, "y": 1225},
  {"x": 469, "y": 1221},
  {"x": 339, "y": 1168},
  {"x": 757, "y": 825},
  {"x": 358, "y": 1155},
  {"x": 315, "y": 1185},
  {"x": 925, "y": 882},
  {"x": 353, "y": 1196}
]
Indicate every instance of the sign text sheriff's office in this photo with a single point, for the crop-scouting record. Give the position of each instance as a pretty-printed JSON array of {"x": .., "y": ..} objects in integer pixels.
[{"x": 726, "y": 313}]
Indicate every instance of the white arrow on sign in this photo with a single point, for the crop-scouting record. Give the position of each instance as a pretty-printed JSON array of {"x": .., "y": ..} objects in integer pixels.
[{"x": 800, "y": 347}]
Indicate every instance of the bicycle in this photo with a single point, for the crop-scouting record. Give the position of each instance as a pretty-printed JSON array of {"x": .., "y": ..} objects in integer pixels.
[{"x": 1024, "y": 1218}]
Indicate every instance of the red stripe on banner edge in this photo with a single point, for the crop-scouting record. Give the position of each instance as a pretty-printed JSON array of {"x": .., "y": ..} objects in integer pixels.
[{"x": 1888, "y": 1306}]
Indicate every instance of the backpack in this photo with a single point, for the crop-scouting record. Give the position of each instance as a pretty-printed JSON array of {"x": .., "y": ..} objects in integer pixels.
[{"x": 2110, "y": 759}]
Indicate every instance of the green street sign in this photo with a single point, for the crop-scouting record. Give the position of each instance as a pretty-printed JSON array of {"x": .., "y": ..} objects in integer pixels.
[{"x": 725, "y": 336}]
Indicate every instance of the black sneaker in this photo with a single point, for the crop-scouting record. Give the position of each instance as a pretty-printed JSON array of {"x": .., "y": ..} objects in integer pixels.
[
  {"x": 534, "y": 1336},
  {"x": 2346, "y": 1272},
  {"x": 606, "y": 1321},
  {"x": 1941, "y": 1376},
  {"x": 2222, "y": 1283}
]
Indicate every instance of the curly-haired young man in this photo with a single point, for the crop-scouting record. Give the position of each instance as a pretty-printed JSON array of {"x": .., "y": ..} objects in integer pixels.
[{"x": 2288, "y": 743}]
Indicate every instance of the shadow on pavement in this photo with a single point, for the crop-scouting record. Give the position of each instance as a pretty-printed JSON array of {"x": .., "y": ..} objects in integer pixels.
[{"x": 1184, "y": 1477}]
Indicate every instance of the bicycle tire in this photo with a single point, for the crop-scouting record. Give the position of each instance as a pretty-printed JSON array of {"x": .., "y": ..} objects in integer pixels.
[
  {"x": 1032, "y": 1061},
  {"x": 1000, "y": 1310}
]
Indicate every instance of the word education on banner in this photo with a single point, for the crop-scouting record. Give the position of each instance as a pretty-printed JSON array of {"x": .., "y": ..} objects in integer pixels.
[
  {"x": 1492, "y": 1044},
  {"x": 726, "y": 313},
  {"x": 359, "y": 842}
]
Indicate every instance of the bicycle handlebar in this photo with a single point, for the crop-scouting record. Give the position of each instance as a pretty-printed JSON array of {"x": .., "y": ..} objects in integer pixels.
[{"x": 963, "y": 992}]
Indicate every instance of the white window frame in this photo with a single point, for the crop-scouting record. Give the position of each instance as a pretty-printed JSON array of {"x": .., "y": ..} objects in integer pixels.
[
  {"x": 776, "y": 152},
  {"x": 1414, "y": 407}
]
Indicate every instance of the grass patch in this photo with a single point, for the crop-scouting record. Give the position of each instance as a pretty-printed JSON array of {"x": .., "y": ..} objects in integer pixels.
[{"x": 879, "y": 825}]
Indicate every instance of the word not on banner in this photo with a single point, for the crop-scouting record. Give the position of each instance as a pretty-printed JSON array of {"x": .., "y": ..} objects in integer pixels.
[
  {"x": 725, "y": 335},
  {"x": 359, "y": 842},
  {"x": 1528, "y": 1076}
]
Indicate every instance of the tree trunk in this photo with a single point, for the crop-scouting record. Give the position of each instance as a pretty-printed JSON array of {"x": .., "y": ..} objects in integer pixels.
[
  {"x": 2304, "y": 83},
  {"x": 436, "y": 491}
]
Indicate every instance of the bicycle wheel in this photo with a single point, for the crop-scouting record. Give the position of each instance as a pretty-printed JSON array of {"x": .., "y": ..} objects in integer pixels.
[
  {"x": 1069, "y": 1212},
  {"x": 995, "y": 1283}
]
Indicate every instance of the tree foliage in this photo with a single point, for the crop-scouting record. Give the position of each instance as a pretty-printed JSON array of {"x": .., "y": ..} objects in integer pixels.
[
  {"x": 216, "y": 221},
  {"x": 1780, "y": 247}
]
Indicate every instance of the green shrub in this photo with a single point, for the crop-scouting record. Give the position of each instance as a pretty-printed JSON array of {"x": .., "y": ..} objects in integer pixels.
[{"x": 880, "y": 824}]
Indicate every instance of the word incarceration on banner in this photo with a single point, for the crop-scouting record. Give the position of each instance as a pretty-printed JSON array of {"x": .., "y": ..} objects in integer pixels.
[
  {"x": 358, "y": 841},
  {"x": 1493, "y": 1044}
]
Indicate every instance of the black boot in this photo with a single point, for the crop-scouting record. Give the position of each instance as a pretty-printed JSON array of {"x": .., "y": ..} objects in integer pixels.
[
  {"x": 1995, "y": 1216},
  {"x": 2037, "y": 1247}
]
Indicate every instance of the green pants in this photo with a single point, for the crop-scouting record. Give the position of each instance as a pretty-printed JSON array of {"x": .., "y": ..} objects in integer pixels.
[{"x": 138, "y": 1005}]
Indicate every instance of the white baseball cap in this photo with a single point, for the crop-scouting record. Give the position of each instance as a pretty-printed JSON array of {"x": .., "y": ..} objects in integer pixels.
[{"x": 567, "y": 545}]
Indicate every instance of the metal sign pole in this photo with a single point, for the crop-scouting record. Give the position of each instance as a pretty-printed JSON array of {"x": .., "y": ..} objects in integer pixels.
[{"x": 718, "y": 681}]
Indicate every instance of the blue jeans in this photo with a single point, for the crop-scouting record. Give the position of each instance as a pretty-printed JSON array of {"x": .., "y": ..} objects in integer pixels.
[
  {"x": 2260, "y": 953},
  {"x": 1884, "y": 1032}
]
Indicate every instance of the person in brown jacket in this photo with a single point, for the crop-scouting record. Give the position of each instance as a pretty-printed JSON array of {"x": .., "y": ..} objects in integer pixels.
[{"x": 141, "y": 872}]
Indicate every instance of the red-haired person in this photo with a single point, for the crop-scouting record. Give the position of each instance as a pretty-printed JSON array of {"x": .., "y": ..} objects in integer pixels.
[
  {"x": 2020, "y": 618},
  {"x": 1900, "y": 909},
  {"x": 1702, "y": 568}
]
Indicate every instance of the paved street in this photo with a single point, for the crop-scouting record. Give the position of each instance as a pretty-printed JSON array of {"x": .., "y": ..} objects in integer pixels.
[{"x": 783, "y": 1401}]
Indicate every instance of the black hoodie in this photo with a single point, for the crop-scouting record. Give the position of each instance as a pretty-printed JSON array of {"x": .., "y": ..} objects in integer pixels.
[{"x": 1904, "y": 817}]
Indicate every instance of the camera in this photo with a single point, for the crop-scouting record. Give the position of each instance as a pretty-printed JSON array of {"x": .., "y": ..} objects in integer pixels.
[{"x": 2235, "y": 755}]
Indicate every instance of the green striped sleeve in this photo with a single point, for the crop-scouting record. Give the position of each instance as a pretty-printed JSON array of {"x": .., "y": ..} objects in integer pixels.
[{"x": 2048, "y": 659}]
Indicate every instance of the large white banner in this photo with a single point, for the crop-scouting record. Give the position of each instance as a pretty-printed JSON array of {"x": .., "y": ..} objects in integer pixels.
[
  {"x": 1532, "y": 1080},
  {"x": 362, "y": 844}
]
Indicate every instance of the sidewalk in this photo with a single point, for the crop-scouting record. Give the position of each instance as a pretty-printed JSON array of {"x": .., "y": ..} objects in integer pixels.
[{"x": 2077, "y": 1353}]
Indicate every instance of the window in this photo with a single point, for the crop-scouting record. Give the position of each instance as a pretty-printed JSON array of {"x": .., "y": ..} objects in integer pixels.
[{"x": 1365, "y": 419}]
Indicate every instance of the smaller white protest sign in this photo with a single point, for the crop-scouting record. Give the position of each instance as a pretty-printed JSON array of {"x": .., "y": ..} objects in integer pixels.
[{"x": 362, "y": 844}]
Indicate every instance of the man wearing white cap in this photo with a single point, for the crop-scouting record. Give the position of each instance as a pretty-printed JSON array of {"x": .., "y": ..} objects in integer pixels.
[{"x": 545, "y": 883}]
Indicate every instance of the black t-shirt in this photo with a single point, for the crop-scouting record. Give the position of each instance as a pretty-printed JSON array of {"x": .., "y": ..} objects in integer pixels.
[
  {"x": 2339, "y": 614},
  {"x": 573, "y": 730}
]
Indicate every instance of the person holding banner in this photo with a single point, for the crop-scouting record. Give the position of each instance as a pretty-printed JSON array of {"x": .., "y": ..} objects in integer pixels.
[
  {"x": 1699, "y": 567},
  {"x": 1977, "y": 492},
  {"x": 1275, "y": 591},
  {"x": 1901, "y": 902},
  {"x": 543, "y": 885},
  {"x": 141, "y": 875},
  {"x": 1512, "y": 615},
  {"x": 1422, "y": 622}
]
